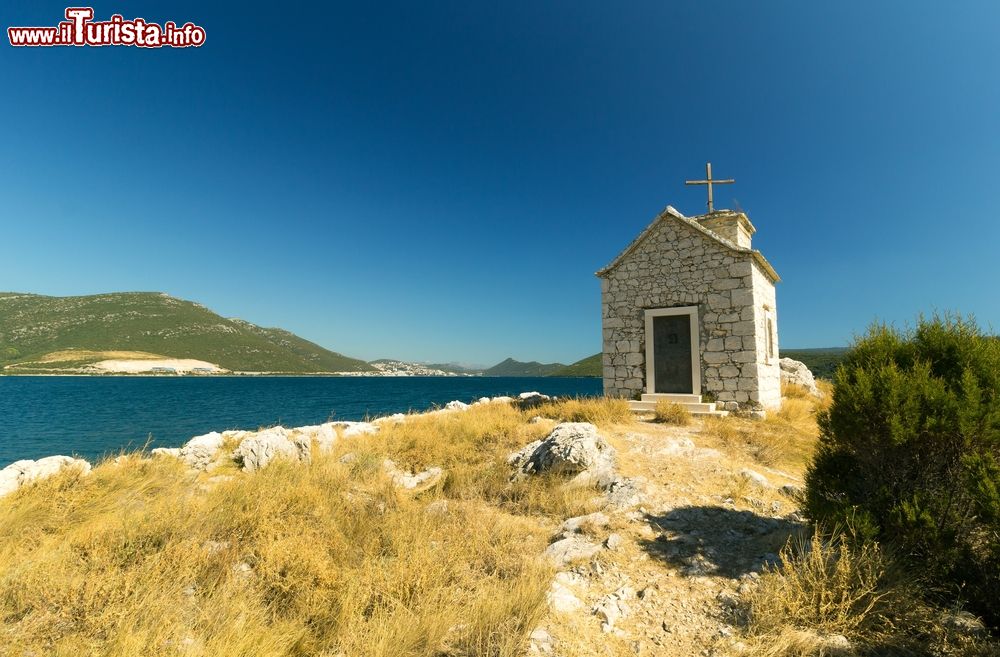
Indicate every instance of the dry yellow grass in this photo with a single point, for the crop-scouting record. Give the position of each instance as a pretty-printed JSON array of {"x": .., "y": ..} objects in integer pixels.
[
  {"x": 671, "y": 413},
  {"x": 144, "y": 557},
  {"x": 785, "y": 439},
  {"x": 599, "y": 411},
  {"x": 826, "y": 588}
]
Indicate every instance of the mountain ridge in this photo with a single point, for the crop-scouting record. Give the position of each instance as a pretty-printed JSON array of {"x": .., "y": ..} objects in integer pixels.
[
  {"x": 511, "y": 367},
  {"x": 590, "y": 366}
]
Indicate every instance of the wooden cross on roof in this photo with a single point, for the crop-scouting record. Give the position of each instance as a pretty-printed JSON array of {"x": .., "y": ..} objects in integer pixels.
[{"x": 709, "y": 182}]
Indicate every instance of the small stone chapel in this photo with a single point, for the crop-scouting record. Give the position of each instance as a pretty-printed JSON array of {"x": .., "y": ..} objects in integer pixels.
[{"x": 688, "y": 315}]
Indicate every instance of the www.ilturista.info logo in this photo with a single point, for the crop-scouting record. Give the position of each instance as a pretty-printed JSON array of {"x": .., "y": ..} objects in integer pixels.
[{"x": 80, "y": 29}]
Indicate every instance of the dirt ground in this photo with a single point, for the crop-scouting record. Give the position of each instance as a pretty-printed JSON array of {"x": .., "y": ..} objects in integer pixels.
[{"x": 670, "y": 571}]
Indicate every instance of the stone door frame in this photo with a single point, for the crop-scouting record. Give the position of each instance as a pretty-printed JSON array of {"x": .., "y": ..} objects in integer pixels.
[{"x": 692, "y": 313}]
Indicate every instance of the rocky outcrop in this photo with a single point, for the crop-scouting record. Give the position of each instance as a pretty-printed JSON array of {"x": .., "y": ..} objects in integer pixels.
[
  {"x": 596, "y": 520},
  {"x": 561, "y": 598},
  {"x": 351, "y": 429},
  {"x": 259, "y": 449},
  {"x": 255, "y": 449},
  {"x": 576, "y": 450},
  {"x": 23, "y": 472},
  {"x": 796, "y": 372},
  {"x": 201, "y": 451},
  {"x": 323, "y": 435},
  {"x": 612, "y": 607},
  {"x": 573, "y": 448},
  {"x": 624, "y": 492},
  {"x": 528, "y": 400},
  {"x": 570, "y": 549}
]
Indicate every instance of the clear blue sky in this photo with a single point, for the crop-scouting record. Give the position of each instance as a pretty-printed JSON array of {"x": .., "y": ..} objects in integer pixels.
[{"x": 439, "y": 181}]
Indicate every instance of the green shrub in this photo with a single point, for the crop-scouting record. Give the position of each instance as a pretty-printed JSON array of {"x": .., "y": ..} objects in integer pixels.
[
  {"x": 670, "y": 413},
  {"x": 909, "y": 454}
]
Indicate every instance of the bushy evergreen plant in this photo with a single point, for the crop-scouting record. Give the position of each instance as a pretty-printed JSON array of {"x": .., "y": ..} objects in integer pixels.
[{"x": 909, "y": 454}]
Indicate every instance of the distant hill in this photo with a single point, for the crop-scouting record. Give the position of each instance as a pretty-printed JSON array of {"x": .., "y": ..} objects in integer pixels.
[
  {"x": 822, "y": 362},
  {"x": 589, "y": 366},
  {"x": 33, "y": 327},
  {"x": 455, "y": 367},
  {"x": 511, "y": 367}
]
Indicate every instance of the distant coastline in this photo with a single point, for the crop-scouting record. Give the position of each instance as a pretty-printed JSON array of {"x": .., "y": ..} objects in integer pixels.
[
  {"x": 239, "y": 375},
  {"x": 129, "y": 333}
]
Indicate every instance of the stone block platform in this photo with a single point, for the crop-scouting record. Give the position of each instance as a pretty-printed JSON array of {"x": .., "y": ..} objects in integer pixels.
[{"x": 692, "y": 403}]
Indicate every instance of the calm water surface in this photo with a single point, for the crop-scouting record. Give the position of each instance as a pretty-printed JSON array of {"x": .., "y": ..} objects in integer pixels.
[{"x": 95, "y": 416}]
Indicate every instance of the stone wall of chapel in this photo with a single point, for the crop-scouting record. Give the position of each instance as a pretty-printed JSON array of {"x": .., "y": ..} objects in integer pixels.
[{"x": 677, "y": 265}]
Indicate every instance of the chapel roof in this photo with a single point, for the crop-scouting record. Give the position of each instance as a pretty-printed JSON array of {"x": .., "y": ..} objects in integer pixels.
[{"x": 670, "y": 214}]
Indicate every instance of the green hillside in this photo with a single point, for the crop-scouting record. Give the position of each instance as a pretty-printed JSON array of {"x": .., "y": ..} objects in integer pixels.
[
  {"x": 33, "y": 326},
  {"x": 821, "y": 362},
  {"x": 453, "y": 367},
  {"x": 511, "y": 367},
  {"x": 589, "y": 366}
]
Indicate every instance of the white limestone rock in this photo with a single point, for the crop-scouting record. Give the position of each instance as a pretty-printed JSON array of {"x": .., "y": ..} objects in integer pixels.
[
  {"x": 410, "y": 480},
  {"x": 200, "y": 451},
  {"x": 324, "y": 435},
  {"x": 540, "y": 642},
  {"x": 259, "y": 449},
  {"x": 23, "y": 472},
  {"x": 613, "y": 607},
  {"x": 572, "y": 448},
  {"x": 624, "y": 492},
  {"x": 532, "y": 399},
  {"x": 562, "y": 599},
  {"x": 174, "y": 452},
  {"x": 596, "y": 520},
  {"x": 796, "y": 372},
  {"x": 572, "y": 548},
  {"x": 456, "y": 406},
  {"x": 350, "y": 429},
  {"x": 755, "y": 478}
]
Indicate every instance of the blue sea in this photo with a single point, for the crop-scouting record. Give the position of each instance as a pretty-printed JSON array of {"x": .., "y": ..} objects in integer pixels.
[{"x": 93, "y": 417}]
